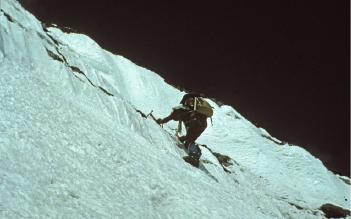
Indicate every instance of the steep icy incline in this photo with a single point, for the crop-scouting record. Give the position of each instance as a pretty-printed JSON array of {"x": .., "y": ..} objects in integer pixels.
[{"x": 74, "y": 145}]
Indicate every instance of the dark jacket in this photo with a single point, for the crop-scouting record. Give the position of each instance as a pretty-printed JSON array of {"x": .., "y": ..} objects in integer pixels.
[{"x": 187, "y": 116}]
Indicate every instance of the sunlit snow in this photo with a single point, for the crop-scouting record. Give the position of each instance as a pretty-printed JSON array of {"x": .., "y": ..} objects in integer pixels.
[{"x": 73, "y": 143}]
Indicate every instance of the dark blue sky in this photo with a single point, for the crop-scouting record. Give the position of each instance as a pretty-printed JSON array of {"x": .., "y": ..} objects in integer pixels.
[{"x": 283, "y": 65}]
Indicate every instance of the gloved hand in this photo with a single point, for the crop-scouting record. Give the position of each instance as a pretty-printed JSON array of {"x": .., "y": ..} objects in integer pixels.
[
  {"x": 159, "y": 121},
  {"x": 182, "y": 139}
]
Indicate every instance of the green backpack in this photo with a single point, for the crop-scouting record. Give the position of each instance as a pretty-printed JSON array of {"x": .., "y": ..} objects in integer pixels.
[{"x": 200, "y": 106}]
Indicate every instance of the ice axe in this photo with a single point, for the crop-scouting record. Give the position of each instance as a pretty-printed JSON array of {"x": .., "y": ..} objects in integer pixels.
[{"x": 150, "y": 114}]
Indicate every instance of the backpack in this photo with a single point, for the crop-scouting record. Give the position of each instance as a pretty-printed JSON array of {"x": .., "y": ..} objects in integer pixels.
[{"x": 199, "y": 104}]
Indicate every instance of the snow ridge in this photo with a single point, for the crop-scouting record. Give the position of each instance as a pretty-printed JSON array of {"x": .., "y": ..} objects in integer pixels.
[{"x": 74, "y": 143}]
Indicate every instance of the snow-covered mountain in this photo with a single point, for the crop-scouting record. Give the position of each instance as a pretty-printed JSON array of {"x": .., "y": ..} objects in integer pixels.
[{"x": 74, "y": 142}]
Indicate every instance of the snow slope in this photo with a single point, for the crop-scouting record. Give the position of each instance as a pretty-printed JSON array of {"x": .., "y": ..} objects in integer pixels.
[{"x": 73, "y": 144}]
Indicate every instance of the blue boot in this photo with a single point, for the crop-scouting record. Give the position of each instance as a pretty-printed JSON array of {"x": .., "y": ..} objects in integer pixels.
[
  {"x": 194, "y": 155},
  {"x": 194, "y": 151}
]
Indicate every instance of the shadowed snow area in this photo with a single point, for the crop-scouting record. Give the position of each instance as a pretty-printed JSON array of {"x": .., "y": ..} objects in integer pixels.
[{"x": 73, "y": 143}]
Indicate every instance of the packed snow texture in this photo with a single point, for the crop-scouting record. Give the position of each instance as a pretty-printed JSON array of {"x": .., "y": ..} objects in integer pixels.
[{"x": 73, "y": 143}]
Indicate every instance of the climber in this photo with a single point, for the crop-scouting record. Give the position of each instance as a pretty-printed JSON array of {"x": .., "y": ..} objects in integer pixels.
[{"x": 193, "y": 112}]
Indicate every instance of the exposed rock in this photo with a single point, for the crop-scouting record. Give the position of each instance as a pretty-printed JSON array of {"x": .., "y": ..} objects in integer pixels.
[
  {"x": 345, "y": 179},
  {"x": 333, "y": 211}
]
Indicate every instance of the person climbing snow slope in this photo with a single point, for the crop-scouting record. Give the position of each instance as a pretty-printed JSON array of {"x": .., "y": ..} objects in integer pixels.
[{"x": 193, "y": 112}]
